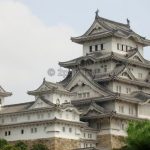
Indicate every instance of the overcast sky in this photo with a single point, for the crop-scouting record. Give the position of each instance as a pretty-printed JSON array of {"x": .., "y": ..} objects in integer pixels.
[{"x": 35, "y": 36}]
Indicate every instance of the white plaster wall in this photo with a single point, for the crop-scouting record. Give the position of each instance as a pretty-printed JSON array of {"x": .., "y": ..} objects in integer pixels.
[
  {"x": 106, "y": 41},
  {"x": 114, "y": 128},
  {"x": 144, "y": 111},
  {"x": 127, "y": 42},
  {"x": 84, "y": 89},
  {"x": 136, "y": 70},
  {"x": 85, "y": 135},
  {"x": 126, "y": 106},
  {"x": 123, "y": 87},
  {"x": 100, "y": 65},
  {"x": 53, "y": 97},
  {"x": 43, "y": 131},
  {"x": 87, "y": 144},
  {"x": 2, "y": 101},
  {"x": 38, "y": 116}
]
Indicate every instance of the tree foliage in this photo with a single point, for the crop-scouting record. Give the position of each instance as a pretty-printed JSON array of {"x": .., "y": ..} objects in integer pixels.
[
  {"x": 3, "y": 143},
  {"x": 138, "y": 136},
  {"x": 39, "y": 147},
  {"x": 21, "y": 145}
]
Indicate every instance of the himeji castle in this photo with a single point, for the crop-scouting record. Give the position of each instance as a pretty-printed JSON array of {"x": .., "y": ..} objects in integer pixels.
[{"x": 108, "y": 86}]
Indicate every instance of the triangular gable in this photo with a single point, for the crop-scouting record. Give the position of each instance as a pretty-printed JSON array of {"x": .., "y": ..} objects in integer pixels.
[
  {"x": 44, "y": 87},
  {"x": 96, "y": 27},
  {"x": 40, "y": 103},
  {"x": 81, "y": 78},
  {"x": 71, "y": 108},
  {"x": 126, "y": 73},
  {"x": 137, "y": 57},
  {"x": 93, "y": 110}
]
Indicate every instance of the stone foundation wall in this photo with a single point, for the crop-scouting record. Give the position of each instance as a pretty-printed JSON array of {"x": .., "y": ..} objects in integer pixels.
[
  {"x": 117, "y": 141},
  {"x": 110, "y": 142},
  {"x": 54, "y": 143}
]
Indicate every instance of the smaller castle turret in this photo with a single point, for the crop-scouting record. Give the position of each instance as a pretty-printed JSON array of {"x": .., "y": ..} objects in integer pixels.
[{"x": 3, "y": 94}]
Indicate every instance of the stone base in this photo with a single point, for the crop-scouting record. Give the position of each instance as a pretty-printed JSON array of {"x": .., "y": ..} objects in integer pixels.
[
  {"x": 110, "y": 142},
  {"x": 54, "y": 143}
]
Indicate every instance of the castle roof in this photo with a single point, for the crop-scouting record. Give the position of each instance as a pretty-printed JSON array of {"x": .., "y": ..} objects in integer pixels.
[
  {"x": 4, "y": 93},
  {"x": 103, "y": 27},
  {"x": 48, "y": 87},
  {"x": 100, "y": 57}
]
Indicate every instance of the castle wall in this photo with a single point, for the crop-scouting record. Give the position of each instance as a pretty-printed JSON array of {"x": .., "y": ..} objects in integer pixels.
[
  {"x": 110, "y": 142},
  {"x": 54, "y": 143},
  {"x": 40, "y": 131}
]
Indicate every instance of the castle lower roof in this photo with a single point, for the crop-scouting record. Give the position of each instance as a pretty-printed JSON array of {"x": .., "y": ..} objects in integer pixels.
[{"x": 100, "y": 57}]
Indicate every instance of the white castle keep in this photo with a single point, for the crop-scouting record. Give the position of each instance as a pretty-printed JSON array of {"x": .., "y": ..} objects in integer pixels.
[{"x": 90, "y": 109}]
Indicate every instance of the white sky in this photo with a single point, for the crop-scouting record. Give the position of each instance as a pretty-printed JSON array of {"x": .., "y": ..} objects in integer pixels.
[{"x": 30, "y": 44}]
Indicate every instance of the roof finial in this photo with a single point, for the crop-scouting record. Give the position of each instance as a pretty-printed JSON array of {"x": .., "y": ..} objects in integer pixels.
[
  {"x": 96, "y": 13},
  {"x": 128, "y": 22},
  {"x": 44, "y": 79}
]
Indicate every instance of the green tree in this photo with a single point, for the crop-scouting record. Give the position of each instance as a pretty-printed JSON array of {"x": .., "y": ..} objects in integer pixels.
[
  {"x": 21, "y": 145},
  {"x": 10, "y": 147},
  {"x": 39, "y": 147},
  {"x": 3, "y": 143},
  {"x": 138, "y": 136}
]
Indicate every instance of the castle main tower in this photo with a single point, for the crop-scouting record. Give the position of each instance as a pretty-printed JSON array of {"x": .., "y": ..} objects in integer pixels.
[{"x": 111, "y": 80}]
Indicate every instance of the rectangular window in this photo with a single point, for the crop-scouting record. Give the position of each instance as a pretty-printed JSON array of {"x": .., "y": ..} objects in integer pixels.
[
  {"x": 97, "y": 71},
  {"x": 5, "y": 133},
  {"x": 128, "y": 90},
  {"x": 105, "y": 68},
  {"x": 31, "y": 130},
  {"x": 122, "y": 48},
  {"x": 35, "y": 130},
  {"x": 121, "y": 109},
  {"x": 84, "y": 135},
  {"x": 63, "y": 129},
  {"x": 126, "y": 48},
  {"x": 118, "y": 46},
  {"x": 90, "y": 48},
  {"x": 96, "y": 48},
  {"x": 102, "y": 46},
  {"x": 70, "y": 130},
  {"x": 140, "y": 75},
  {"x": 22, "y": 131},
  {"x": 88, "y": 94},
  {"x": 79, "y": 95},
  {"x": 9, "y": 133},
  {"x": 118, "y": 88},
  {"x": 90, "y": 136},
  {"x": 131, "y": 111}
]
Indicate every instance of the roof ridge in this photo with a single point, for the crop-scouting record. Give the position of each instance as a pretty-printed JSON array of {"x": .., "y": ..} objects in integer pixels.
[
  {"x": 18, "y": 104},
  {"x": 112, "y": 21}
]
